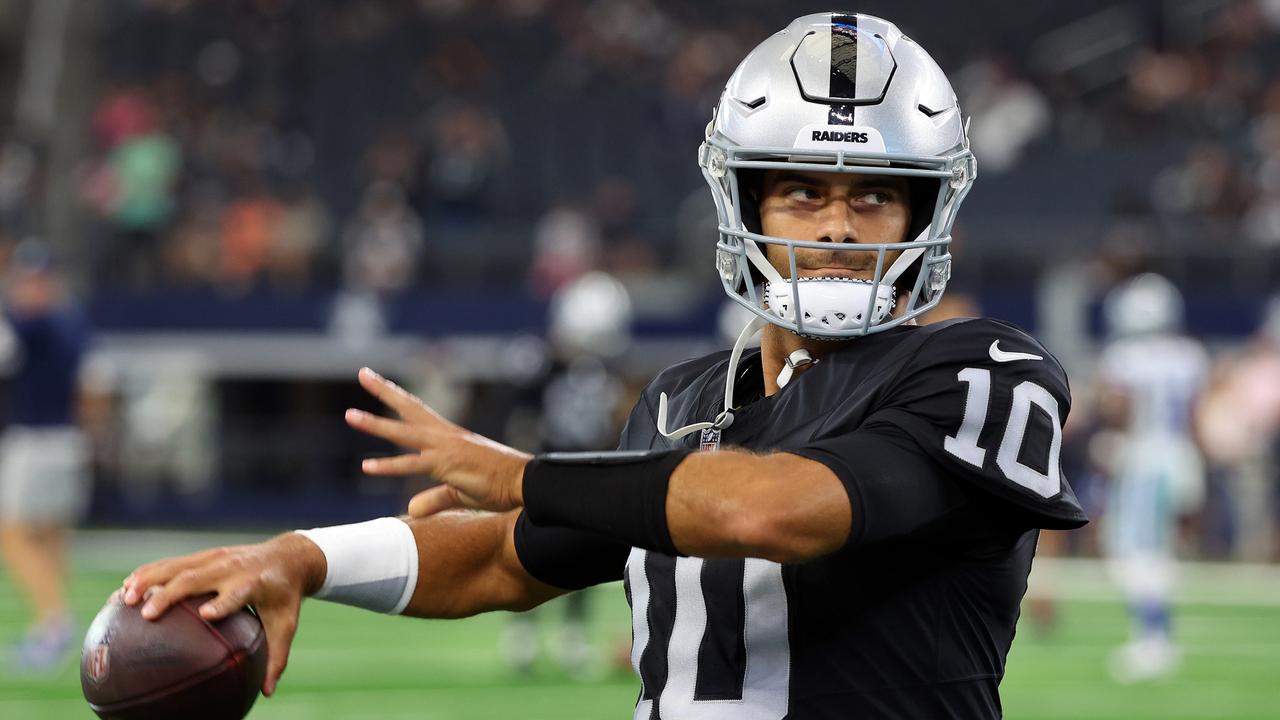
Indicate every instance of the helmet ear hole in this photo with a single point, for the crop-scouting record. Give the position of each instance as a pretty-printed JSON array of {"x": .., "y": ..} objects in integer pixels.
[
  {"x": 750, "y": 194},
  {"x": 922, "y": 198}
]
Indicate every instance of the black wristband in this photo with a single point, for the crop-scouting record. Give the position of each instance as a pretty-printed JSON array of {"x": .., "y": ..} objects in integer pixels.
[{"x": 621, "y": 495}]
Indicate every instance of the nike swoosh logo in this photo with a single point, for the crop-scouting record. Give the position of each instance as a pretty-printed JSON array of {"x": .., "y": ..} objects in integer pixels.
[{"x": 1002, "y": 356}]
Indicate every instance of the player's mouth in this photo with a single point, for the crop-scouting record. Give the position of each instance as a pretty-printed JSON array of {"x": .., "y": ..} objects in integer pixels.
[{"x": 835, "y": 272}]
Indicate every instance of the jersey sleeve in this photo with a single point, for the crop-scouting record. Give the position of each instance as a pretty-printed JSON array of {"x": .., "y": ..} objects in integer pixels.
[
  {"x": 567, "y": 558},
  {"x": 987, "y": 403},
  {"x": 574, "y": 559},
  {"x": 895, "y": 491}
]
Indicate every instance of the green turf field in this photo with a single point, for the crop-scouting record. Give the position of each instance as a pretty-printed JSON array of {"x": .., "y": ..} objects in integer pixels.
[{"x": 350, "y": 664}]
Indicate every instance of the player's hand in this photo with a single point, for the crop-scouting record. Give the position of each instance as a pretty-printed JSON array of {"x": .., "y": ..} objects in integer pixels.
[
  {"x": 476, "y": 471},
  {"x": 272, "y": 576}
]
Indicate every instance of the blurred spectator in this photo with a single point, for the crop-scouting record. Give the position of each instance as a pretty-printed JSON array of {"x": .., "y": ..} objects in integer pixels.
[
  {"x": 465, "y": 150},
  {"x": 1207, "y": 184},
  {"x": 281, "y": 95},
  {"x": 566, "y": 244},
  {"x": 1240, "y": 426},
  {"x": 696, "y": 72},
  {"x": 303, "y": 230},
  {"x": 383, "y": 243},
  {"x": 629, "y": 254},
  {"x": 18, "y": 167},
  {"x": 133, "y": 185},
  {"x": 1262, "y": 221},
  {"x": 192, "y": 253},
  {"x": 1008, "y": 113},
  {"x": 250, "y": 227}
]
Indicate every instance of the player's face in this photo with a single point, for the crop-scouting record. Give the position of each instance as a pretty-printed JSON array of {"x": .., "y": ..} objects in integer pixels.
[
  {"x": 837, "y": 208},
  {"x": 32, "y": 292}
]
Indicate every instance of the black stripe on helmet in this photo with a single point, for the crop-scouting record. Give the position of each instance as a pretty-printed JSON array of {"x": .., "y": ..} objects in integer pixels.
[{"x": 844, "y": 67}]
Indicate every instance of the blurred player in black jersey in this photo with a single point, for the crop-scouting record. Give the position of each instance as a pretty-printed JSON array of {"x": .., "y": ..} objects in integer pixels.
[
  {"x": 578, "y": 405},
  {"x": 837, "y": 525}
]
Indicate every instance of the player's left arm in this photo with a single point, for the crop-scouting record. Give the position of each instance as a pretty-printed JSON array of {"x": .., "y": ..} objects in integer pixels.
[
  {"x": 970, "y": 406},
  {"x": 718, "y": 504},
  {"x": 777, "y": 506}
]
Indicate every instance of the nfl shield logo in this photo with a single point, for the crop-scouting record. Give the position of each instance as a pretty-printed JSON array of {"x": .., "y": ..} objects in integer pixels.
[
  {"x": 710, "y": 439},
  {"x": 97, "y": 663}
]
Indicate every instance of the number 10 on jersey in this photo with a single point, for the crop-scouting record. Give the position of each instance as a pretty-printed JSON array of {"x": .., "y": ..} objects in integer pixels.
[{"x": 964, "y": 444}]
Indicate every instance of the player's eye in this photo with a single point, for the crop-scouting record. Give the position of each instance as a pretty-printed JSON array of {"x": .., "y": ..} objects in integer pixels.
[
  {"x": 803, "y": 194},
  {"x": 876, "y": 197}
]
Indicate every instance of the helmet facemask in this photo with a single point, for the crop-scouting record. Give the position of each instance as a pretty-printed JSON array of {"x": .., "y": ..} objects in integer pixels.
[{"x": 900, "y": 289}]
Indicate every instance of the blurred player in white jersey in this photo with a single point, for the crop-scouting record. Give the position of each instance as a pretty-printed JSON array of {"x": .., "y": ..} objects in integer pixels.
[{"x": 1155, "y": 373}]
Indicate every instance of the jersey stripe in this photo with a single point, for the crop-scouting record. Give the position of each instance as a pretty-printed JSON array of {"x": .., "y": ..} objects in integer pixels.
[
  {"x": 722, "y": 656},
  {"x": 682, "y": 656},
  {"x": 659, "y": 571},
  {"x": 637, "y": 586}
]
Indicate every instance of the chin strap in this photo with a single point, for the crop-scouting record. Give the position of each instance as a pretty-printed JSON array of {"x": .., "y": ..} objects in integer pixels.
[
  {"x": 798, "y": 359},
  {"x": 725, "y": 418}
]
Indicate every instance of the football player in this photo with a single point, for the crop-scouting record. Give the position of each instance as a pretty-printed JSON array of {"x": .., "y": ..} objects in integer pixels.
[
  {"x": 590, "y": 327},
  {"x": 1154, "y": 373},
  {"x": 839, "y": 524}
]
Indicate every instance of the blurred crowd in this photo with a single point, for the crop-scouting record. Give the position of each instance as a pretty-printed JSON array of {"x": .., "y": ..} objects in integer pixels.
[
  {"x": 386, "y": 145},
  {"x": 378, "y": 148}
]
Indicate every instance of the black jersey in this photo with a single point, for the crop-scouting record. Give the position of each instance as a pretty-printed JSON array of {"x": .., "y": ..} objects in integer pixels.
[
  {"x": 947, "y": 439},
  {"x": 579, "y": 407}
]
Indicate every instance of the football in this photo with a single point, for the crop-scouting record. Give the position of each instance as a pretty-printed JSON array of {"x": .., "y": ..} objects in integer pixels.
[{"x": 179, "y": 666}]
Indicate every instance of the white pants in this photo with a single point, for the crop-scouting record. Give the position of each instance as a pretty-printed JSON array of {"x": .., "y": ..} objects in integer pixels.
[{"x": 44, "y": 474}]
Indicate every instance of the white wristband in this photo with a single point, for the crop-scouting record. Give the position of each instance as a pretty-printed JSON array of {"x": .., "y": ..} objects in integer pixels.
[{"x": 372, "y": 565}]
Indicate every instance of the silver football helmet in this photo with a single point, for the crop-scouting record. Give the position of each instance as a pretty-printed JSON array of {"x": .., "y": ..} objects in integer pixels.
[
  {"x": 845, "y": 93},
  {"x": 1143, "y": 305},
  {"x": 591, "y": 316}
]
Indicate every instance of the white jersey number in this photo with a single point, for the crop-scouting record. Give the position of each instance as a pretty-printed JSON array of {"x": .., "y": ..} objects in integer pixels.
[
  {"x": 766, "y": 676},
  {"x": 964, "y": 444}
]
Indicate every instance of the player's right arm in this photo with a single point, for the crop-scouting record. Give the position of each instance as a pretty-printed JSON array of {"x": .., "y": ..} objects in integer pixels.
[{"x": 467, "y": 564}]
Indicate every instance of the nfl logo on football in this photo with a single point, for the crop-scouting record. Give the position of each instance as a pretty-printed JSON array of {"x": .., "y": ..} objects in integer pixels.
[{"x": 98, "y": 662}]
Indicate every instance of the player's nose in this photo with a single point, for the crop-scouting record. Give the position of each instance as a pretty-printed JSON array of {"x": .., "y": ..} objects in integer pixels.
[{"x": 835, "y": 224}]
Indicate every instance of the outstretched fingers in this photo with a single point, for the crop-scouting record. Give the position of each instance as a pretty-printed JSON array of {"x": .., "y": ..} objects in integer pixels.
[
  {"x": 405, "y": 403},
  {"x": 396, "y": 431},
  {"x": 410, "y": 464}
]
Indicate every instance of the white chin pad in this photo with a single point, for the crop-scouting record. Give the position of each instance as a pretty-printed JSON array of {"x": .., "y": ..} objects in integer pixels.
[{"x": 830, "y": 304}]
